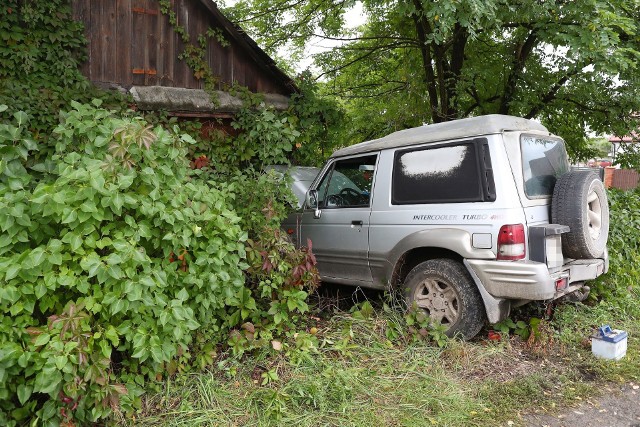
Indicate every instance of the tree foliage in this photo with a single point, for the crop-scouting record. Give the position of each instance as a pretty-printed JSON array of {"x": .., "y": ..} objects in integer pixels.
[{"x": 572, "y": 65}]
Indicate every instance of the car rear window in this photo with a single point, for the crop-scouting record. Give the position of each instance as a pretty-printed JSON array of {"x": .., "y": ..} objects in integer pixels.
[
  {"x": 544, "y": 160},
  {"x": 454, "y": 173}
]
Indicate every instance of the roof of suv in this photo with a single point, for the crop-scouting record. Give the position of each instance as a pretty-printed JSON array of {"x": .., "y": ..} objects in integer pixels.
[{"x": 464, "y": 128}]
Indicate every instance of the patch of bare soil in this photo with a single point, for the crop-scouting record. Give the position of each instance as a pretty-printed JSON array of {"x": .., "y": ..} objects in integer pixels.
[
  {"x": 618, "y": 406},
  {"x": 501, "y": 367},
  {"x": 515, "y": 360}
]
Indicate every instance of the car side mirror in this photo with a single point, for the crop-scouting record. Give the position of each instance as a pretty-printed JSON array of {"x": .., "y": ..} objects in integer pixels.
[{"x": 312, "y": 202}]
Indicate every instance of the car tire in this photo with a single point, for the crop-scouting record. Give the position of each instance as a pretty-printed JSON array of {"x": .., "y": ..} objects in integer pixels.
[
  {"x": 580, "y": 201},
  {"x": 444, "y": 289}
]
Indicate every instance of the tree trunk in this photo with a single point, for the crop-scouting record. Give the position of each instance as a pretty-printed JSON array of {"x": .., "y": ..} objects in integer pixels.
[
  {"x": 422, "y": 29},
  {"x": 522, "y": 52}
]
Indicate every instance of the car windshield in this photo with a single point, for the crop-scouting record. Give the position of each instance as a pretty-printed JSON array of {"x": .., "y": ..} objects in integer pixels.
[
  {"x": 543, "y": 161},
  {"x": 339, "y": 182}
]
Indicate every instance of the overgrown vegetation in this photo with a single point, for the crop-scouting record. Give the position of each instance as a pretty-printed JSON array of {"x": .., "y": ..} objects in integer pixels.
[
  {"x": 371, "y": 365},
  {"x": 135, "y": 255},
  {"x": 130, "y": 251},
  {"x": 41, "y": 49},
  {"x": 121, "y": 264},
  {"x": 194, "y": 54}
]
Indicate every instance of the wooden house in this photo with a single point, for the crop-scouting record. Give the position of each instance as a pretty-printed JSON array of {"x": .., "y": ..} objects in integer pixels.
[{"x": 133, "y": 47}]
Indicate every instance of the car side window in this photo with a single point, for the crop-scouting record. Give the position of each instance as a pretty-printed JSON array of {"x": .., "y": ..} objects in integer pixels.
[
  {"x": 348, "y": 183},
  {"x": 452, "y": 173}
]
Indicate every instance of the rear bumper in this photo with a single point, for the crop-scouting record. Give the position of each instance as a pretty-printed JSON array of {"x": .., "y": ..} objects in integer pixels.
[{"x": 530, "y": 280}]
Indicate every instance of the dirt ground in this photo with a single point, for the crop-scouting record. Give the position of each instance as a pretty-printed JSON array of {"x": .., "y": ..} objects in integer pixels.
[{"x": 618, "y": 406}]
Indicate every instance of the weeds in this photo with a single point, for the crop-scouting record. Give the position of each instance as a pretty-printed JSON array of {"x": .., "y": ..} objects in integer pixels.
[{"x": 356, "y": 375}]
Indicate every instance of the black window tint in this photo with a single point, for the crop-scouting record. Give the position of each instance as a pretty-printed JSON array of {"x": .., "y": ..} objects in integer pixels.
[
  {"x": 348, "y": 183},
  {"x": 441, "y": 174}
]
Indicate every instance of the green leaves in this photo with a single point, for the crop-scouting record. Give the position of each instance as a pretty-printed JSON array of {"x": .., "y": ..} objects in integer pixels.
[
  {"x": 69, "y": 215},
  {"x": 47, "y": 380},
  {"x": 24, "y": 392},
  {"x": 12, "y": 271},
  {"x": 36, "y": 257},
  {"x": 73, "y": 239},
  {"x": 125, "y": 247},
  {"x": 41, "y": 340},
  {"x": 97, "y": 181},
  {"x": 572, "y": 65}
]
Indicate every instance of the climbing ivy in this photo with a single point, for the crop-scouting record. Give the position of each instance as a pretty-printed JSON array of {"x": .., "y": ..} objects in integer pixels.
[
  {"x": 41, "y": 49},
  {"x": 194, "y": 54}
]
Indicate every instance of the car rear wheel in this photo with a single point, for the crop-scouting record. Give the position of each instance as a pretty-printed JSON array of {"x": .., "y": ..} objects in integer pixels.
[
  {"x": 580, "y": 201},
  {"x": 446, "y": 292}
]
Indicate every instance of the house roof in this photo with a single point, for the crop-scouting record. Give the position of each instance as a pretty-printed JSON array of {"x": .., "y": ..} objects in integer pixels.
[
  {"x": 634, "y": 138},
  {"x": 250, "y": 46}
]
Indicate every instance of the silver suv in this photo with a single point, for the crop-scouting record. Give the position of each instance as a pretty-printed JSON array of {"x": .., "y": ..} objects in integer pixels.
[{"x": 469, "y": 218}]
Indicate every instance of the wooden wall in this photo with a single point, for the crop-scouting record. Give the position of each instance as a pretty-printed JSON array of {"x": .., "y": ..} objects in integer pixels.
[
  {"x": 132, "y": 44},
  {"x": 623, "y": 179}
]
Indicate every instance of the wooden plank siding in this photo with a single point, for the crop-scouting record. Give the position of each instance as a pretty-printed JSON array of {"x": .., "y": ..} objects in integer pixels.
[
  {"x": 81, "y": 13},
  {"x": 181, "y": 70},
  {"x": 625, "y": 179},
  {"x": 131, "y": 43},
  {"x": 166, "y": 46},
  {"x": 122, "y": 43}
]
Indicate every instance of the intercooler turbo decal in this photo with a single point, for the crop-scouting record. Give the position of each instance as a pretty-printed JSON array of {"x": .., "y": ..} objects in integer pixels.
[
  {"x": 435, "y": 217},
  {"x": 465, "y": 217}
]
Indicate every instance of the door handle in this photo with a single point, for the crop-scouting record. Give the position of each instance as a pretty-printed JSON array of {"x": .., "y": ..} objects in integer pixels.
[{"x": 360, "y": 223}]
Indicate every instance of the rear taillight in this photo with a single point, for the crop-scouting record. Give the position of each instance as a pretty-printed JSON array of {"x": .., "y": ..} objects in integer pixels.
[
  {"x": 561, "y": 283},
  {"x": 511, "y": 242}
]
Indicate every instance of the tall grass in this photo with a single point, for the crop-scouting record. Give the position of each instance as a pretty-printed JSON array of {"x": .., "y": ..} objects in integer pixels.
[{"x": 356, "y": 377}]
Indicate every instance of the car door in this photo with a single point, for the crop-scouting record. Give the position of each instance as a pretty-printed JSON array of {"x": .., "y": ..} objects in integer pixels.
[{"x": 340, "y": 233}]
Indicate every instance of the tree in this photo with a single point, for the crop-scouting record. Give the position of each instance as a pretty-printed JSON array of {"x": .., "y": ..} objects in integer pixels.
[{"x": 573, "y": 65}]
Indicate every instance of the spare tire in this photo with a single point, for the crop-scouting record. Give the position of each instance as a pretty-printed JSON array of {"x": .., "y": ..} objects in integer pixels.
[{"x": 580, "y": 201}]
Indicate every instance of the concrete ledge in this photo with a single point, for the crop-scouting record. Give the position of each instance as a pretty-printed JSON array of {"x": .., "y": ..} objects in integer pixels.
[{"x": 173, "y": 99}]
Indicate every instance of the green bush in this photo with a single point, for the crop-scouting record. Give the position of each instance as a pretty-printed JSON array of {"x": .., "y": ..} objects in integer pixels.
[
  {"x": 623, "y": 245},
  {"x": 122, "y": 262},
  {"x": 121, "y": 265}
]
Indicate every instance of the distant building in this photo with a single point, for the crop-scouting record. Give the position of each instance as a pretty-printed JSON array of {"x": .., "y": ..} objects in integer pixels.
[{"x": 620, "y": 144}]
